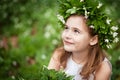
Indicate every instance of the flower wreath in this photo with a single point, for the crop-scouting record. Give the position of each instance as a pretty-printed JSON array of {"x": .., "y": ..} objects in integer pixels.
[{"x": 94, "y": 11}]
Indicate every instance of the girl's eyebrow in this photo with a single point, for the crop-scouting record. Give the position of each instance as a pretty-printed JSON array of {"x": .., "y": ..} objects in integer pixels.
[{"x": 72, "y": 27}]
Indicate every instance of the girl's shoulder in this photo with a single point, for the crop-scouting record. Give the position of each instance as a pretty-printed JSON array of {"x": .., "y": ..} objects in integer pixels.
[
  {"x": 104, "y": 71},
  {"x": 106, "y": 62}
]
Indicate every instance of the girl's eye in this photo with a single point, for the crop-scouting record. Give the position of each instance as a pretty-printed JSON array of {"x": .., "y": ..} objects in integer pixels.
[
  {"x": 66, "y": 27},
  {"x": 76, "y": 31}
]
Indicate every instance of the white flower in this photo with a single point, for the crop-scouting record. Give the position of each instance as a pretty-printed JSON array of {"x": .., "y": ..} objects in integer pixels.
[
  {"x": 43, "y": 56},
  {"x": 61, "y": 18},
  {"x": 13, "y": 77},
  {"x": 54, "y": 42},
  {"x": 119, "y": 58},
  {"x": 92, "y": 26},
  {"x": 114, "y": 28},
  {"x": 84, "y": 8},
  {"x": 116, "y": 40},
  {"x": 106, "y": 40},
  {"x": 81, "y": 0},
  {"x": 47, "y": 34},
  {"x": 99, "y": 5},
  {"x": 86, "y": 13},
  {"x": 109, "y": 46},
  {"x": 14, "y": 63},
  {"x": 115, "y": 34},
  {"x": 110, "y": 57},
  {"x": 108, "y": 21}
]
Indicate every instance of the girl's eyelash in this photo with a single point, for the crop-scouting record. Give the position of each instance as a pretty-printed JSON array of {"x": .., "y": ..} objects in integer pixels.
[
  {"x": 76, "y": 31},
  {"x": 66, "y": 27}
]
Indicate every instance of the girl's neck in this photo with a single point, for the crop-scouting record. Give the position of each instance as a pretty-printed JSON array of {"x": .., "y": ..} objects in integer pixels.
[{"x": 80, "y": 58}]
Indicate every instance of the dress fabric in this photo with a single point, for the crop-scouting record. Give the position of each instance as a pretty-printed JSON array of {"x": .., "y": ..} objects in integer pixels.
[{"x": 73, "y": 69}]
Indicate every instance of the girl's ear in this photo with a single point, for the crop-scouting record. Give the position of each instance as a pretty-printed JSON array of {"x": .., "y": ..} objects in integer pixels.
[{"x": 94, "y": 40}]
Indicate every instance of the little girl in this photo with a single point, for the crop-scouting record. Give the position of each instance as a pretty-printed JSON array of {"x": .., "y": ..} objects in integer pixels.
[{"x": 81, "y": 54}]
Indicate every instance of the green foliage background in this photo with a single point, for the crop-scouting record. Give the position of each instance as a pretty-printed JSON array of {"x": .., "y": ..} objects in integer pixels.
[{"x": 29, "y": 32}]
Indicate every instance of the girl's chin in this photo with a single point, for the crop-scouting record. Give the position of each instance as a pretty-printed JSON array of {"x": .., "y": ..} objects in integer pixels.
[{"x": 68, "y": 48}]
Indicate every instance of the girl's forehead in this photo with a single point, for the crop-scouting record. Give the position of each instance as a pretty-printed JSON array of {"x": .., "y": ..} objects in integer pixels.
[{"x": 76, "y": 22}]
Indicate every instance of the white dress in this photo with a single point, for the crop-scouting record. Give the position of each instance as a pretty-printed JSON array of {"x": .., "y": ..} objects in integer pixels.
[{"x": 74, "y": 69}]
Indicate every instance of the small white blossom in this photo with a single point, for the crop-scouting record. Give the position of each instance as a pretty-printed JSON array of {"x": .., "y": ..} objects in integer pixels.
[
  {"x": 54, "y": 42},
  {"x": 43, "y": 56},
  {"x": 99, "y": 5},
  {"x": 13, "y": 77},
  {"x": 84, "y": 8},
  {"x": 92, "y": 26},
  {"x": 110, "y": 57},
  {"x": 14, "y": 63},
  {"x": 108, "y": 21},
  {"x": 109, "y": 46},
  {"x": 61, "y": 18},
  {"x": 115, "y": 34},
  {"x": 81, "y": 0},
  {"x": 119, "y": 58},
  {"x": 114, "y": 28},
  {"x": 106, "y": 40},
  {"x": 116, "y": 40},
  {"x": 48, "y": 27},
  {"x": 47, "y": 35},
  {"x": 86, "y": 13}
]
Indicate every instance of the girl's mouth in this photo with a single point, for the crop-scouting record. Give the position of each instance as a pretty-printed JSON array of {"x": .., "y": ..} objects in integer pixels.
[{"x": 67, "y": 42}]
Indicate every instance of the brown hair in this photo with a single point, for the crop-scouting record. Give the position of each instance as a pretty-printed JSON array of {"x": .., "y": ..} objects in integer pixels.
[{"x": 95, "y": 57}]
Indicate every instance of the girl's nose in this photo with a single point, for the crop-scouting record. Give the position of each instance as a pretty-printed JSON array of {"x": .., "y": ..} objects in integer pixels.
[{"x": 68, "y": 34}]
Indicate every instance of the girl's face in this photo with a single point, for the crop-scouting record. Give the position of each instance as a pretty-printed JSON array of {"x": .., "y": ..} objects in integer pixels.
[{"x": 75, "y": 36}]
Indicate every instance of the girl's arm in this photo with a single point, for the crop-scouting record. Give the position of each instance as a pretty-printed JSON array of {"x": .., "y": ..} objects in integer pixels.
[
  {"x": 55, "y": 60},
  {"x": 53, "y": 64}
]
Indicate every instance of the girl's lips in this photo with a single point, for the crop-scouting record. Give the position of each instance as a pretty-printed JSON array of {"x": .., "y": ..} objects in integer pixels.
[{"x": 68, "y": 42}]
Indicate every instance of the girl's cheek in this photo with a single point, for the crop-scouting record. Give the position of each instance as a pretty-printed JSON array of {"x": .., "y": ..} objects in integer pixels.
[
  {"x": 63, "y": 35},
  {"x": 77, "y": 37}
]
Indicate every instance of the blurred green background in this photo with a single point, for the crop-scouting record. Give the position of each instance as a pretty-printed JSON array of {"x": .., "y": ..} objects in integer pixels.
[{"x": 29, "y": 32}]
